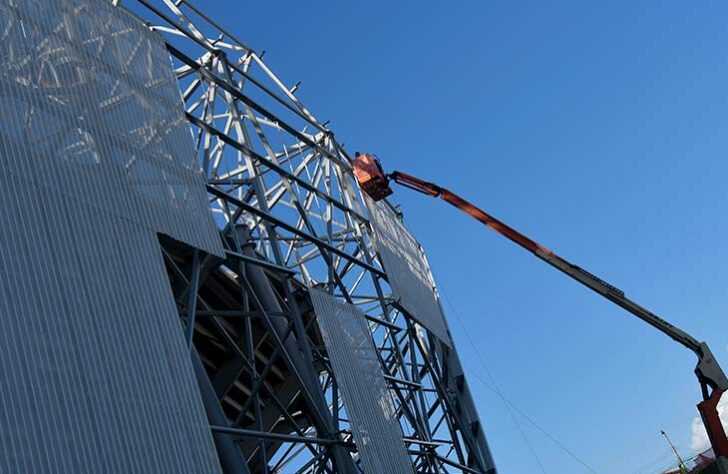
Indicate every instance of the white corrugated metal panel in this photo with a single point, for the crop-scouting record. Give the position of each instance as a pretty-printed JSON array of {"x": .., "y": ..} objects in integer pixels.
[
  {"x": 95, "y": 375},
  {"x": 89, "y": 100},
  {"x": 407, "y": 269},
  {"x": 367, "y": 399}
]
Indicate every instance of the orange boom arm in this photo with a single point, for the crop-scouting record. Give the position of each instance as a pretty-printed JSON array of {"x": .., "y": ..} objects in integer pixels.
[{"x": 713, "y": 381}]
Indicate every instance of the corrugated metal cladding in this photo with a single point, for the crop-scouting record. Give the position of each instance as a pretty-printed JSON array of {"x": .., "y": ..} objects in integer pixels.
[
  {"x": 357, "y": 369},
  {"x": 90, "y": 101},
  {"x": 95, "y": 376},
  {"x": 407, "y": 269}
]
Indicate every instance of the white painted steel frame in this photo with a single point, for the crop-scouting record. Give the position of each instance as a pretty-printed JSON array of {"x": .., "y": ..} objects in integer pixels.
[{"x": 274, "y": 169}]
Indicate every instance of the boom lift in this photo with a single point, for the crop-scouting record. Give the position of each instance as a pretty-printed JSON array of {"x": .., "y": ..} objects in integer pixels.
[{"x": 713, "y": 382}]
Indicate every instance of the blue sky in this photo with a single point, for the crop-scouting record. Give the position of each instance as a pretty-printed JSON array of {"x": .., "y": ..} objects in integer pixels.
[{"x": 598, "y": 128}]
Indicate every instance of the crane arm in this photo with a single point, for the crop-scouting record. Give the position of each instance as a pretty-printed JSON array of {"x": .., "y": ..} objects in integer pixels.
[
  {"x": 709, "y": 371},
  {"x": 713, "y": 381},
  {"x": 584, "y": 277}
]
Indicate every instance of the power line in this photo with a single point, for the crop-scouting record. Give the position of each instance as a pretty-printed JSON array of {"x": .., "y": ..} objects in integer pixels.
[
  {"x": 495, "y": 388},
  {"x": 510, "y": 406}
]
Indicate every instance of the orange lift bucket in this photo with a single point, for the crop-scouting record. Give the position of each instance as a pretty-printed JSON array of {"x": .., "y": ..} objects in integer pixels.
[{"x": 370, "y": 176}]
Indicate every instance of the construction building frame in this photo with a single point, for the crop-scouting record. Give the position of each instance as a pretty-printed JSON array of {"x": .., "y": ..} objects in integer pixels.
[{"x": 291, "y": 218}]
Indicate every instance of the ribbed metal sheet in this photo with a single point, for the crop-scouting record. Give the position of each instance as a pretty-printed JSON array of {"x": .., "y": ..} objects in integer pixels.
[
  {"x": 94, "y": 372},
  {"x": 95, "y": 375},
  {"x": 407, "y": 269},
  {"x": 91, "y": 106},
  {"x": 367, "y": 399}
]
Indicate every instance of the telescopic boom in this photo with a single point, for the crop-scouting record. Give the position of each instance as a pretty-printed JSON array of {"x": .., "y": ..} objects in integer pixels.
[{"x": 713, "y": 381}]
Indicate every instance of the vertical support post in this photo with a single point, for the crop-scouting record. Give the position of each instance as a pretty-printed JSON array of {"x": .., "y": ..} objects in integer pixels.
[
  {"x": 250, "y": 354},
  {"x": 192, "y": 297},
  {"x": 230, "y": 456}
]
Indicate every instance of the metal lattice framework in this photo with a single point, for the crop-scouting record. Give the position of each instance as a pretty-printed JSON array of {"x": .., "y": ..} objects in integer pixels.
[{"x": 291, "y": 217}]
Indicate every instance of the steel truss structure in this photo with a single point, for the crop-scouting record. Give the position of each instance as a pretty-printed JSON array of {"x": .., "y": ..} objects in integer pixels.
[{"x": 291, "y": 218}]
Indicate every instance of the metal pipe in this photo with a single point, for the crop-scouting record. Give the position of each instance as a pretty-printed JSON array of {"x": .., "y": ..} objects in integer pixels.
[
  {"x": 228, "y": 452},
  {"x": 243, "y": 433}
]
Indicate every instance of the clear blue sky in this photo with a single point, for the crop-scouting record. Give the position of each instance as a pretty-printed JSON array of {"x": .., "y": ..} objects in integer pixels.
[{"x": 599, "y": 128}]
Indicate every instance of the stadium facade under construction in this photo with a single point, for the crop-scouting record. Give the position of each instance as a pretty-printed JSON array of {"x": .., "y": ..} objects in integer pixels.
[{"x": 192, "y": 281}]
